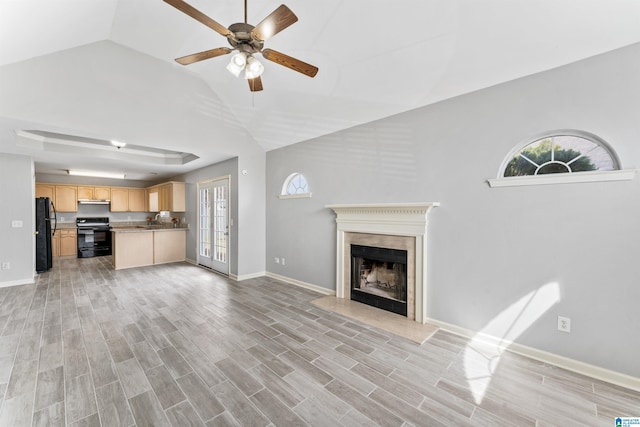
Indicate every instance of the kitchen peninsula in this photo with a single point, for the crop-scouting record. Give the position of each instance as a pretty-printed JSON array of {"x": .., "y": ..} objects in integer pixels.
[{"x": 137, "y": 246}]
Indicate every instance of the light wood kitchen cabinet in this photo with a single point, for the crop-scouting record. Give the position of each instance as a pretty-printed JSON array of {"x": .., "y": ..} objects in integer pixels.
[
  {"x": 137, "y": 248},
  {"x": 167, "y": 197},
  {"x": 154, "y": 199},
  {"x": 55, "y": 244},
  {"x": 64, "y": 242},
  {"x": 68, "y": 242},
  {"x": 128, "y": 200},
  {"x": 119, "y": 200},
  {"x": 102, "y": 193},
  {"x": 66, "y": 198},
  {"x": 85, "y": 193},
  {"x": 132, "y": 249},
  {"x": 46, "y": 190},
  {"x": 93, "y": 193},
  {"x": 137, "y": 200},
  {"x": 169, "y": 246}
]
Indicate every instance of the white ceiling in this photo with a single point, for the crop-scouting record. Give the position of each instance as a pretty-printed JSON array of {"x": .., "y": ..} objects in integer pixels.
[{"x": 104, "y": 69}]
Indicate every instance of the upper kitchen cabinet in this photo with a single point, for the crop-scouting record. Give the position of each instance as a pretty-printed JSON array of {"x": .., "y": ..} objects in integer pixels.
[
  {"x": 102, "y": 193},
  {"x": 128, "y": 200},
  {"x": 119, "y": 200},
  {"x": 66, "y": 199},
  {"x": 93, "y": 193},
  {"x": 154, "y": 199},
  {"x": 137, "y": 200},
  {"x": 167, "y": 197},
  {"x": 46, "y": 190}
]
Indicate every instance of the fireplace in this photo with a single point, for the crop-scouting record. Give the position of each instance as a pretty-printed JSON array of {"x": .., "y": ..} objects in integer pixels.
[
  {"x": 379, "y": 277},
  {"x": 394, "y": 227}
]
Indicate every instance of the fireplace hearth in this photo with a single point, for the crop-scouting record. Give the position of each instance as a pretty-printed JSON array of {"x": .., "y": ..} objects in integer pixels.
[{"x": 379, "y": 277}]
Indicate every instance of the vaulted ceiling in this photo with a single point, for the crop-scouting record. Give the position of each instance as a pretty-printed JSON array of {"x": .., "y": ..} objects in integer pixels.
[{"x": 104, "y": 69}]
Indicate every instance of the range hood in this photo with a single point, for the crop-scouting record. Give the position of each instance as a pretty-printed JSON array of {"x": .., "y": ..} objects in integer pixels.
[{"x": 93, "y": 202}]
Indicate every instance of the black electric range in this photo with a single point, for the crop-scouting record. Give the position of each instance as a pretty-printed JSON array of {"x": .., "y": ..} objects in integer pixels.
[{"x": 94, "y": 237}]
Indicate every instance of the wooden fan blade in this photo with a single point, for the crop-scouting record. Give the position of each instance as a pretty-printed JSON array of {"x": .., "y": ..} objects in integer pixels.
[
  {"x": 201, "y": 56},
  {"x": 199, "y": 16},
  {"x": 289, "y": 62},
  {"x": 255, "y": 84},
  {"x": 277, "y": 21}
]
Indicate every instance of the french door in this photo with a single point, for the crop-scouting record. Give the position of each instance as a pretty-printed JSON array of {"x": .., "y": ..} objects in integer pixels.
[{"x": 213, "y": 224}]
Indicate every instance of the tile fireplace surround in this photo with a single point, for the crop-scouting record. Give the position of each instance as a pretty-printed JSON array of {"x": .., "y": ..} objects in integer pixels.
[{"x": 396, "y": 226}]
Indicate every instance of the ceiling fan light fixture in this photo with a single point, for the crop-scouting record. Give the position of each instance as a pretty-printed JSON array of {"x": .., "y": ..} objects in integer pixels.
[
  {"x": 253, "y": 68},
  {"x": 237, "y": 63}
]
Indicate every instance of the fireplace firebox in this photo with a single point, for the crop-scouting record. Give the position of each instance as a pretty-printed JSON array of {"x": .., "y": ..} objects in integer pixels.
[{"x": 379, "y": 277}]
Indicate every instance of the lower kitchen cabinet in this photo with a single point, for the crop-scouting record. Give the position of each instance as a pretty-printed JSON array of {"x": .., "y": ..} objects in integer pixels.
[
  {"x": 55, "y": 244},
  {"x": 65, "y": 242},
  {"x": 137, "y": 248},
  {"x": 169, "y": 246}
]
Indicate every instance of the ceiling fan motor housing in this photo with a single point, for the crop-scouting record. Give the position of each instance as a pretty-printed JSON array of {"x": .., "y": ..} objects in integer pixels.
[{"x": 242, "y": 39}]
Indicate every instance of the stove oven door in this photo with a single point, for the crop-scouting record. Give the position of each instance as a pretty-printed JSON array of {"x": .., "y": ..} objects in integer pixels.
[{"x": 93, "y": 241}]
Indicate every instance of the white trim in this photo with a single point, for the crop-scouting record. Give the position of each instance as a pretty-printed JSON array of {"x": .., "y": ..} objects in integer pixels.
[
  {"x": 212, "y": 182},
  {"x": 18, "y": 282},
  {"x": 301, "y": 284},
  {"x": 295, "y": 196},
  {"x": 596, "y": 372},
  {"x": 394, "y": 219},
  {"x": 240, "y": 278},
  {"x": 564, "y": 178}
]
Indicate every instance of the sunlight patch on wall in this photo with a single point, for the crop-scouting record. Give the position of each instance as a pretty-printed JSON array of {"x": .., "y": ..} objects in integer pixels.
[{"x": 482, "y": 354}]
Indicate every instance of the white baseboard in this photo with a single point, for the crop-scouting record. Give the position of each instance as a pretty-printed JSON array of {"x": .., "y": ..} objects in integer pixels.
[
  {"x": 26, "y": 281},
  {"x": 302, "y": 284},
  {"x": 241, "y": 277},
  {"x": 607, "y": 375}
]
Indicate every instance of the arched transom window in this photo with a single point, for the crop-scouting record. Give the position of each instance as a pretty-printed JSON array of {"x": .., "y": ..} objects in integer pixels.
[
  {"x": 561, "y": 154},
  {"x": 561, "y": 157},
  {"x": 295, "y": 186}
]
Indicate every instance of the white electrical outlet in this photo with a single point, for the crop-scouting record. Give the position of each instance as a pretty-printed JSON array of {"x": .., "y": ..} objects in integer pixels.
[
  {"x": 276, "y": 260},
  {"x": 564, "y": 324},
  {"x": 282, "y": 261},
  {"x": 6, "y": 265},
  {"x": 16, "y": 223},
  {"x": 61, "y": 219}
]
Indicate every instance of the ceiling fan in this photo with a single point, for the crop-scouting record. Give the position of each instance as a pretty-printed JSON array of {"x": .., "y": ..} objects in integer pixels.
[{"x": 247, "y": 40}]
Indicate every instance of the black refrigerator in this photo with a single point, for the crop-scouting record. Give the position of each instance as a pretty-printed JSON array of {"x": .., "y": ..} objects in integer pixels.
[{"x": 45, "y": 212}]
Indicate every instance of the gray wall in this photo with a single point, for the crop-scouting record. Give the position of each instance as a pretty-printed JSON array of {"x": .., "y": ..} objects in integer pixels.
[
  {"x": 17, "y": 202},
  {"x": 488, "y": 248}
]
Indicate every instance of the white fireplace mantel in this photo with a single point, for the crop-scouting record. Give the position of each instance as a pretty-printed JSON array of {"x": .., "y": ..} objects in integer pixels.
[{"x": 393, "y": 219}]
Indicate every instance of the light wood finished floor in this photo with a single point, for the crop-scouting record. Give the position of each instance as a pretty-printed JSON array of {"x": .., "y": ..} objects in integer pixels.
[{"x": 177, "y": 345}]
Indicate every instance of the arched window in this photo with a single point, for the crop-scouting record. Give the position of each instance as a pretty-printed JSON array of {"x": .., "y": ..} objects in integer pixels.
[
  {"x": 295, "y": 186},
  {"x": 561, "y": 156}
]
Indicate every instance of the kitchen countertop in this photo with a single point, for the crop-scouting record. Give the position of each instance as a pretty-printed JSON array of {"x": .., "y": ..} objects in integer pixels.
[
  {"x": 61, "y": 225},
  {"x": 143, "y": 228},
  {"x": 129, "y": 226}
]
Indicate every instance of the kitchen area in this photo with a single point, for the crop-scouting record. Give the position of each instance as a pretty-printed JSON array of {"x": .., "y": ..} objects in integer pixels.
[{"x": 135, "y": 226}]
